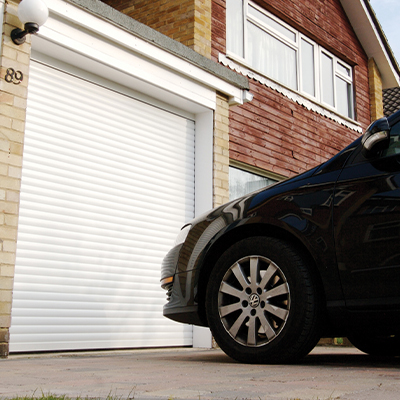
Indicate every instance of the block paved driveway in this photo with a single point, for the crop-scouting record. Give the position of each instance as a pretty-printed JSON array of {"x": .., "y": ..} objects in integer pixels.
[{"x": 327, "y": 373}]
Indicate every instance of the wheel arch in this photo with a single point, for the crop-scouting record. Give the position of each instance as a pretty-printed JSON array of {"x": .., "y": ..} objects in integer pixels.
[{"x": 246, "y": 231}]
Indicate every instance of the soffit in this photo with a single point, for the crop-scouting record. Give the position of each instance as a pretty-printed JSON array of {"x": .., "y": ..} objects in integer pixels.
[{"x": 373, "y": 40}]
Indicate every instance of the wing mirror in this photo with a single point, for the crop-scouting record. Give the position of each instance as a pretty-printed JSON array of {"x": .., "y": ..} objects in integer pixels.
[{"x": 376, "y": 137}]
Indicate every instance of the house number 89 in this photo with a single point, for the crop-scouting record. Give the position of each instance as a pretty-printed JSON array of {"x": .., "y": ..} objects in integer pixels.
[{"x": 15, "y": 77}]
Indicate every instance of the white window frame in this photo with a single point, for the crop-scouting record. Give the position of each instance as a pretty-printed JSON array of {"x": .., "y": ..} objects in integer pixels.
[
  {"x": 348, "y": 79},
  {"x": 317, "y": 86},
  {"x": 296, "y": 45}
]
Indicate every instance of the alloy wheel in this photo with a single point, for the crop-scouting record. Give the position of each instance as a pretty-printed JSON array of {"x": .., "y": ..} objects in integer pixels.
[{"x": 254, "y": 301}]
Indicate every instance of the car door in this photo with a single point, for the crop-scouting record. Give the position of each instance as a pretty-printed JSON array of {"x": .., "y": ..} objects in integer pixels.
[{"x": 366, "y": 219}]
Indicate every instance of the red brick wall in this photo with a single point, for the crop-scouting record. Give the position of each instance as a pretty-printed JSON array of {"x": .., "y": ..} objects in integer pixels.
[
  {"x": 278, "y": 135},
  {"x": 275, "y": 133},
  {"x": 218, "y": 32}
]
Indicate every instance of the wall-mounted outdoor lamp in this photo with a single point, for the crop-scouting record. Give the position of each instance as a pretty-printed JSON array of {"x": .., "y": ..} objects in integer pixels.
[{"x": 32, "y": 13}]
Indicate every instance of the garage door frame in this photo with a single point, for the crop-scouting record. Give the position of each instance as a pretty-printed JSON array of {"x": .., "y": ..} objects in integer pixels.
[{"x": 172, "y": 101}]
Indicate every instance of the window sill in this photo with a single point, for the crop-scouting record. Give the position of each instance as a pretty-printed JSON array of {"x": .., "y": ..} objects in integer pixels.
[{"x": 290, "y": 93}]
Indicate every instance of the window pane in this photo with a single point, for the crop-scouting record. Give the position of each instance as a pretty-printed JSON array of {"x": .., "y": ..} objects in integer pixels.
[
  {"x": 234, "y": 27},
  {"x": 272, "y": 57},
  {"x": 343, "y": 96},
  {"x": 243, "y": 182},
  {"x": 307, "y": 67},
  {"x": 344, "y": 70},
  {"x": 327, "y": 79},
  {"x": 272, "y": 23}
]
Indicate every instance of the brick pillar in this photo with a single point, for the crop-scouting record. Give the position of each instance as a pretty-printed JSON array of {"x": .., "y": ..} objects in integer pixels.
[
  {"x": 221, "y": 151},
  {"x": 186, "y": 21},
  {"x": 14, "y": 67},
  {"x": 375, "y": 90},
  {"x": 202, "y": 27}
]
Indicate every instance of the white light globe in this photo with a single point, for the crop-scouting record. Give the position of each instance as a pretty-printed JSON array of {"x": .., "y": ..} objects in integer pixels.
[{"x": 34, "y": 11}]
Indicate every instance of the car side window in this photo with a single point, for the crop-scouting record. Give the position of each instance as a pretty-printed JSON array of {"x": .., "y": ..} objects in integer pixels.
[{"x": 394, "y": 145}]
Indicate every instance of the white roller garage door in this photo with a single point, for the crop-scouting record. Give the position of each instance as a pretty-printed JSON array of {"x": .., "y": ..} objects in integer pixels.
[{"x": 107, "y": 182}]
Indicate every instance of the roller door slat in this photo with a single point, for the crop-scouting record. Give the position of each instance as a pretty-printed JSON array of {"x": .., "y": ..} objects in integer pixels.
[{"x": 107, "y": 182}]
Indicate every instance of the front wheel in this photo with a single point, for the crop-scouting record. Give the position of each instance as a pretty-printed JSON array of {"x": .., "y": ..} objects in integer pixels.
[{"x": 262, "y": 302}]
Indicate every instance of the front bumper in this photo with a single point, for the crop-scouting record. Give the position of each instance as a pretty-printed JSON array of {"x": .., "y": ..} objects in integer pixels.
[
  {"x": 180, "y": 306},
  {"x": 168, "y": 268}
]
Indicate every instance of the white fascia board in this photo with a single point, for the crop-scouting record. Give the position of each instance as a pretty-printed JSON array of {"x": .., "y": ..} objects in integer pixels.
[
  {"x": 76, "y": 29},
  {"x": 106, "y": 59},
  {"x": 367, "y": 34}
]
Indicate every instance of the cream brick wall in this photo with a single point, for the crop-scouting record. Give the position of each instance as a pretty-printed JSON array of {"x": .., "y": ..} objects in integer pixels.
[
  {"x": 221, "y": 151},
  {"x": 202, "y": 27},
  {"x": 13, "y": 96},
  {"x": 186, "y": 21},
  {"x": 375, "y": 90}
]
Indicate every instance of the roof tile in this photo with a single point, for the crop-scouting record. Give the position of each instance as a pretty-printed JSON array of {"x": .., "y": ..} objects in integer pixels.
[{"x": 391, "y": 100}]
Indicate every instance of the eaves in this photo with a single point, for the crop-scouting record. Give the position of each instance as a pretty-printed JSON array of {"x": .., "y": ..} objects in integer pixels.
[{"x": 373, "y": 40}]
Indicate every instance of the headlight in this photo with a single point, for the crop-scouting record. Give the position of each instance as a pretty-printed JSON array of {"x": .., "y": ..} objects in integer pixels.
[{"x": 182, "y": 234}]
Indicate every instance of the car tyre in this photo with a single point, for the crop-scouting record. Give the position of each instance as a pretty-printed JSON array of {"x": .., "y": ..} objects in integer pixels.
[
  {"x": 376, "y": 345},
  {"x": 263, "y": 304}
]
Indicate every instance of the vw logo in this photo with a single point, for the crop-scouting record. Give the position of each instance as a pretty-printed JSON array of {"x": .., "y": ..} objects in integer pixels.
[{"x": 254, "y": 300}]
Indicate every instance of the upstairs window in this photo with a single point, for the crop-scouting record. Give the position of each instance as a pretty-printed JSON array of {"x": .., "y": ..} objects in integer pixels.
[{"x": 272, "y": 48}]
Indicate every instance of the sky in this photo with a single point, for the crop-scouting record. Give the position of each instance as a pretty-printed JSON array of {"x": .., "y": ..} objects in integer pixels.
[{"x": 388, "y": 13}]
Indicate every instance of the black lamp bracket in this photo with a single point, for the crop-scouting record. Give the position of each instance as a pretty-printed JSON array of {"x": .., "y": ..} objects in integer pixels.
[{"x": 18, "y": 36}]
